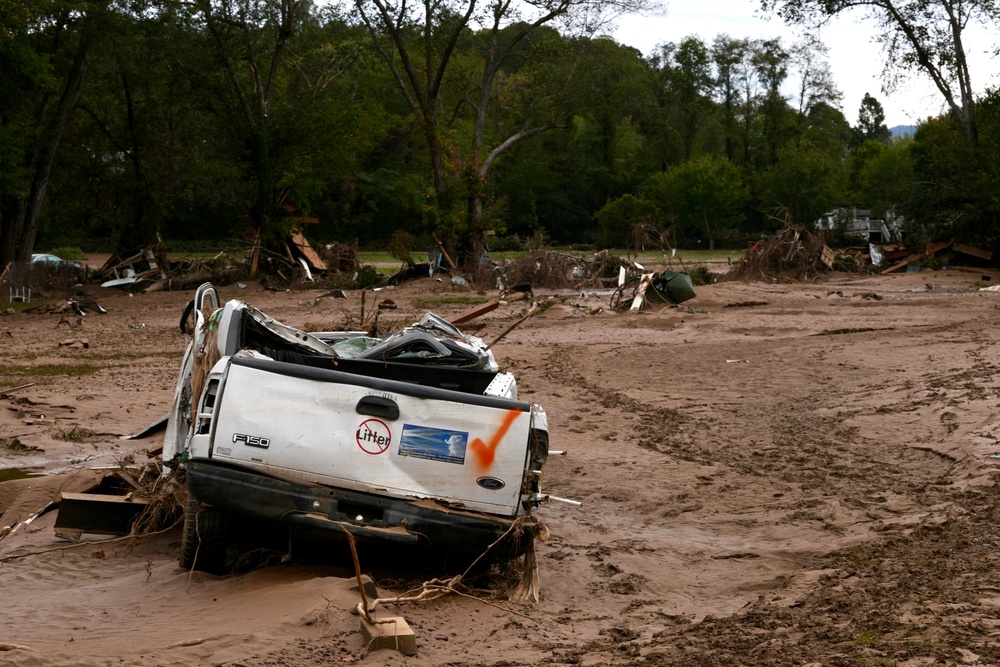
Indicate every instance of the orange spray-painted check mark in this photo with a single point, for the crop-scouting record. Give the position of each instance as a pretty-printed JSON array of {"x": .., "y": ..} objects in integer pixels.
[{"x": 484, "y": 451}]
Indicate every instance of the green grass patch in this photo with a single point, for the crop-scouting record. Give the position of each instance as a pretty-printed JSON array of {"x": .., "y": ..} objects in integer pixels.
[
  {"x": 73, "y": 434},
  {"x": 378, "y": 258},
  {"x": 19, "y": 306},
  {"x": 17, "y": 447},
  {"x": 120, "y": 356},
  {"x": 26, "y": 356},
  {"x": 68, "y": 252},
  {"x": 868, "y": 638},
  {"x": 383, "y": 260},
  {"x": 510, "y": 254},
  {"x": 45, "y": 370},
  {"x": 658, "y": 257},
  {"x": 385, "y": 271}
]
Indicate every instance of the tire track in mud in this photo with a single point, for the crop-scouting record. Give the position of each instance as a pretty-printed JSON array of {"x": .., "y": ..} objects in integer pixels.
[
  {"x": 869, "y": 605},
  {"x": 831, "y": 459},
  {"x": 767, "y": 462},
  {"x": 803, "y": 457}
]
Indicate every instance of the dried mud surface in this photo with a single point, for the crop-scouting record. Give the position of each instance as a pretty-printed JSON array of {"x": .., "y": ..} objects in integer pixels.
[{"x": 772, "y": 474}]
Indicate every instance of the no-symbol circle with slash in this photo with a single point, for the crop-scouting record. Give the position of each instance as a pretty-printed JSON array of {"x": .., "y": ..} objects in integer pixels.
[{"x": 373, "y": 436}]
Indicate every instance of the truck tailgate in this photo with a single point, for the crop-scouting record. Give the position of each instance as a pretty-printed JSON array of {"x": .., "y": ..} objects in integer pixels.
[{"x": 368, "y": 434}]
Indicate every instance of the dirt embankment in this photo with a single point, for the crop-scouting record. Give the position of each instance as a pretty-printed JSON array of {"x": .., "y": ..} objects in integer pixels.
[{"x": 770, "y": 475}]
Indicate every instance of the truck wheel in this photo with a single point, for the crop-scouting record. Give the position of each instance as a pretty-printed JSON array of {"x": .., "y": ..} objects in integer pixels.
[{"x": 204, "y": 541}]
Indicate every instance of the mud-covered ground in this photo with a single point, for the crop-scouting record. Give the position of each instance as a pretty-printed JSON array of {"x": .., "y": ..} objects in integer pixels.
[{"x": 771, "y": 474}]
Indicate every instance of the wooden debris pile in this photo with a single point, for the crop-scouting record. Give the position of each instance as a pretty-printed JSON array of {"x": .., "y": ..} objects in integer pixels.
[
  {"x": 793, "y": 254},
  {"x": 340, "y": 256},
  {"x": 554, "y": 269},
  {"x": 295, "y": 262},
  {"x": 183, "y": 274},
  {"x": 147, "y": 264}
]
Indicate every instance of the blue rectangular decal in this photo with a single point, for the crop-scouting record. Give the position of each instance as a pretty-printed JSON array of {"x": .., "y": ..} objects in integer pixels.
[{"x": 435, "y": 444}]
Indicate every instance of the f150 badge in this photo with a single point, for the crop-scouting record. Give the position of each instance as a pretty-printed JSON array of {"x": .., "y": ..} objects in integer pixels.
[{"x": 252, "y": 440}]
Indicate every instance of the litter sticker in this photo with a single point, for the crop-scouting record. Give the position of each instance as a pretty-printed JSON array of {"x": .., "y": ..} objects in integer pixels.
[
  {"x": 373, "y": 436},
  {"x": 435, "y": 444}
]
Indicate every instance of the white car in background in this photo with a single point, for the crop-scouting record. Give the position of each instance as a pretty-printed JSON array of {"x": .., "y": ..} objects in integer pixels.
[{"x": 49, "y": 260}]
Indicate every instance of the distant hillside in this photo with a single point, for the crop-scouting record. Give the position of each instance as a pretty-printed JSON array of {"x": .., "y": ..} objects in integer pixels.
[{"x": 902, "y": 130}]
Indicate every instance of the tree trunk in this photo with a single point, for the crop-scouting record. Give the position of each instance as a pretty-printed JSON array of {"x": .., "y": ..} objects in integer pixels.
[
  {"x": 11, "y": 225},
  {"x": 264, "y": 207},
  {"x": 255, "y": 100},
  {"x": 139, "y": 230},
  {"x": 21, "y": 220}
]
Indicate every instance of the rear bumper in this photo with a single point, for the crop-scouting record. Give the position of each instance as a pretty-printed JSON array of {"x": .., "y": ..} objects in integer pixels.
[{"x": 328, "y": 512}]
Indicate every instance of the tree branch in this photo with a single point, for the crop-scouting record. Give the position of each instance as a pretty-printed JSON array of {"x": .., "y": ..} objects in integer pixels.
[{"x": 510, "y": 141}]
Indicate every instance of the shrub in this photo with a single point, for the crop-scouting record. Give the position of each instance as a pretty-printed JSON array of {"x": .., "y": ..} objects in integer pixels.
[{"x": 68, "y": 252}]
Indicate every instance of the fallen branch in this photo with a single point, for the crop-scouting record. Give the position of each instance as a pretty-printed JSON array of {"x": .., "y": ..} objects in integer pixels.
[
  {"x": 514, "y": 326},
  {"x": 23, "y": 386}
]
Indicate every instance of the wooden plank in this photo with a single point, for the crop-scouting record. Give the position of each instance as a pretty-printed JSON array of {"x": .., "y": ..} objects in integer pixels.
[
  {"x": 971, "y": 250},
  {"x": 640, "y": 293},
  {"x": 826, "y": 256},
  {"x": 97, "y": 513},
  {"x": 255, "y": 253},
  {"x": 478, "y": 311},
  {"x": 932, "y": 249},
  {"x": 307, "y": 251},
  {"x": 124, "y": 476},
  {"x": 444, "y": 252}
]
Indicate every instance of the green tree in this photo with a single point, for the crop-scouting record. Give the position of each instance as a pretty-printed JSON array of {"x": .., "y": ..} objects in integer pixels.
[
  {"x": 686, "y": 84},
  {"x": 703, "y": 196},
  {"x": 728, "y": 55},
  {"x": 815, "y": 81},
  {"x": 419, "y": 44},
  {"x": 771, "y": 61},
  {"x": 107, "y": 179},
  {"x": 249, "y": 41},
  {"x": 885, "y": 180},
  {"x": 948, "y": 200},
  {"x": 44, "y": 50},
  {"x": 871, "y": 122},
  {"x": 827, "y": 128},
  {"x": 804, "y": 182},
  {"x": 619, "y": 217},
  {"x": 917, "y": 35}
]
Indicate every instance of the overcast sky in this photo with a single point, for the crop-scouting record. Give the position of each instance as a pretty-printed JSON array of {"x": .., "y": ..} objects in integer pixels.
[{"x": 856, "y": 60}]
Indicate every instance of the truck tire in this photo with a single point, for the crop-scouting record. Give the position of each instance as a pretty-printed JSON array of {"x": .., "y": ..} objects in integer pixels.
[{"x": 204, "y": 541}]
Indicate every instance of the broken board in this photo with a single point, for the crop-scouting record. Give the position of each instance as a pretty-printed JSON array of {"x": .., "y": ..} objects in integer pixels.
[
  {"x": 932, "y": 249},
  {"x": 302, "y": 245},
  {"x": 96, "y": 513},
  {"x": 473, "y": 313},
  {"x": 826, "y": 256}
]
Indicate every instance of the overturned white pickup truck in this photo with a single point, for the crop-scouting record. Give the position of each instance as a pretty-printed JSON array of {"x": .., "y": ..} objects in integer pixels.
[{"x": 416, "y": 438}]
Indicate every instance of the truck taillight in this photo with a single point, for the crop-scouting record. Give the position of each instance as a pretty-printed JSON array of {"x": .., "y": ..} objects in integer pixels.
[{"x": 207, "y": 408}]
